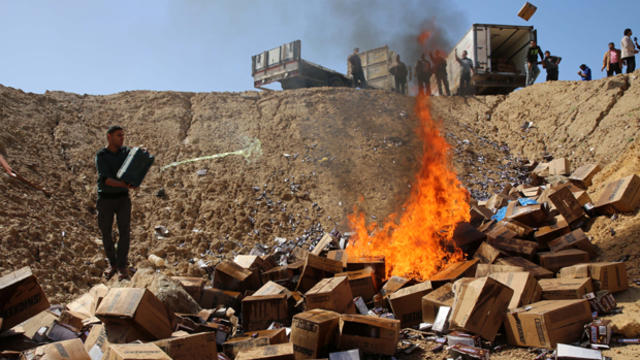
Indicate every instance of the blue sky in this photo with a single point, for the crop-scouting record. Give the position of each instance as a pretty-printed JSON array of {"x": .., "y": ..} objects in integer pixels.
[{"x": 103, "y": 47}]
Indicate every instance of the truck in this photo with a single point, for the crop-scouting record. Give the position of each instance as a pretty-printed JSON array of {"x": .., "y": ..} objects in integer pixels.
[
  {"x": 285, "y": 65},
  {"x": 499, "y": 58},
  {"x": 376, "y": 64}
]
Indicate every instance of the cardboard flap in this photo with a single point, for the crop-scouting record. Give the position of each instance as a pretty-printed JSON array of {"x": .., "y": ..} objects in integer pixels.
[{"x": 121, "y": 302}]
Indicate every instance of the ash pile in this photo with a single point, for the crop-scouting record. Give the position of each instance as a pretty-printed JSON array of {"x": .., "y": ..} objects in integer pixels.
[{"x": 529, "y": 281}]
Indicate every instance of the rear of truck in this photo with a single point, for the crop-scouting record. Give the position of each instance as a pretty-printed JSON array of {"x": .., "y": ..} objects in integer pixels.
[
  {"x": 499, "y": 55},
  {"x": 376, "y": 64}
]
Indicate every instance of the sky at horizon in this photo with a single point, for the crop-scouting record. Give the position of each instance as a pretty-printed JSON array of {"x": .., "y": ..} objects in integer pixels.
[{"x": 104, "y": 47}]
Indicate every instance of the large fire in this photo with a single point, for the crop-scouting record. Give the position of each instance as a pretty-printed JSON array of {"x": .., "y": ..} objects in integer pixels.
[{"x": 418, "y": 242}]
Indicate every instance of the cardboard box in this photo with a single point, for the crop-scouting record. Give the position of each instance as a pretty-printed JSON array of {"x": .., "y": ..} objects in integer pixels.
[
  {"x": 567, "y": 205},
  {"x": 406, "y": 303},
  {"x": 135, "y": 352},
  {"x": 516, "y": 247},
  {"x": 137, "y": 309},
  {"x": 362, "y": 282},
  {"x": 369, "y": 334},
  {"x": 560, "y": 166},
  {"x": 480, "y": 305},
  {"x": 190, "y": 347},
  {"x": 538, "y": 271},
  {"x": 442, "y": 296},
  {"x": 314, "y": 333},
  {"x": 467, "y": 237},
  {"x": 531, "y": 215},
  {"x": 331, "y": 294},
  {"x": 231, "y": 276},
  {"x": 394, "y": 284},
  {"x": 582, "y": 197},
  {"x": 527, "y": 11},
  {"x": 258, "y": 312},
  {"x": 479, "y": 213},
  {"x": 31, "y": 326},
  {"x": 521, "y": 230},
  {"x": 561, "y": 289},
  {"x": 526, "y": 289},
  {"x": 253, "y": 339},
  {"x": 325, "y": 241},
  {"x": 192, "y": 285},
  {"x": 252, "y": 262},
  {"x": 488, "y": 269},
  {"x": 21, "y": 297},
  {"x": 96, "y": 343},
  {"x": 622, "y": 195},
  {"x": 455, "y": 271},
  {"x": 315, "y": 269},
  {"x": 583, "y": 175},
  {"x": 500, "y": 232},
  {"x": 486, "y": 253},
  {"x": 279, "y": 274},
  {"x": 547, "y": 323},
  {"x": 576, "y": 239},
  {"x": 547, "y": 233},
  {"x": 496, "y": 201},
  {"x": 610, "y": 276},
  {"x": 87, "y": 303},
  {"x": 61, "y": 350},
  {"x": 574, "y": 271},
  {"x": 339, "y": 255},
  {"x": 554, "y": 261},
  {"x": 268, "y": 352},
  {"x": 377, "y": 263},
  {"x": 212, "y": 297}
]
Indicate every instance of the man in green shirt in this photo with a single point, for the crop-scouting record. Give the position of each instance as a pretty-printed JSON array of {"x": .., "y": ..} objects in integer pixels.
[{"x": 113, "y": 198}]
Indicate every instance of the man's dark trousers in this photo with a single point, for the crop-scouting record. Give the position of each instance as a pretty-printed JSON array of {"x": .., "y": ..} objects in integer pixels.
[{"x": 121, "y": 207}]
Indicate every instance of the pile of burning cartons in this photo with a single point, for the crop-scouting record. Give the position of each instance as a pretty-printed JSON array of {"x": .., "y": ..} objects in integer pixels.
[{"x": 530, "y": 282}]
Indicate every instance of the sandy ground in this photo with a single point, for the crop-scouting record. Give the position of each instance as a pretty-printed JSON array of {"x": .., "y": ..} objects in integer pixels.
[{"x": 321, "y": 150}]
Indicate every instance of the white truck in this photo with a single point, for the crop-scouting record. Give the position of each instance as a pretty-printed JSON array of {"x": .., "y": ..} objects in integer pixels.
[
  {"x": 376, "y": 64},
  {"x": 285, "y": 65},
  {"x": 499, "y": 56}
]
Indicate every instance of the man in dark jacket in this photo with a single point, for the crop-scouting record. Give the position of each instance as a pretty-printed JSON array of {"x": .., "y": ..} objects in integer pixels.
[
  {"x": 439, "y": 63},
  {"x": 423, "y": 75},
  {"x": 550, "y": 63},
  {"x": 531, "y": 66},
  {"x": 113, "y": 199},
  {"x": 356, "y": 70},
  {"x": 399, "y": 71}
]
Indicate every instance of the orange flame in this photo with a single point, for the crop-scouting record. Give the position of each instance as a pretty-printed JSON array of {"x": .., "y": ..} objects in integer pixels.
[{"x": 418, "y": 242}]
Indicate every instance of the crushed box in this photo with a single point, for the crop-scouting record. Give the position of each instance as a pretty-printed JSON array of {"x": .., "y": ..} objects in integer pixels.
[
  {"x": 192, "y": 285},
  {"x": 362, "y": 282},
  {"x": 331, "y": 294},
  {"x": 547, "y": 323},
  {"x": 260, "y": 311},
  {"x": 486, "y": 253},
  {"x": 526, "y": 289},
  {"x": 480, "y": 305},
  {"x": 136, "y": 309},
  {"x": 62, "y": 350},
  {"x": 229, "y": 275},
  {"x": 394, "y": 284},
  {"x": 369, "y": 334},
  {"x": 406, "y": 303},
  {"x": 377, "y": 263},
  {"x": 314, "y": 333},
  {"x": 455, "y": 271},
  {"x": 315, "y": 269},
  {"x": 442, "y": 296},
  {"x": 21, "y": 297},
  {"x": 576, "y": 239},
  {"x": 212, "y": 297},
  {"x": 561, "y": 289}
]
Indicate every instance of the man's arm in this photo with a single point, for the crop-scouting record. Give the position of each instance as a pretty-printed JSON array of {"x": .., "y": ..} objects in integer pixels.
[
  {"x": 541, "y": 54},
  {"x": 107, "y": 176},
  {"x": 604, "y": 60}
]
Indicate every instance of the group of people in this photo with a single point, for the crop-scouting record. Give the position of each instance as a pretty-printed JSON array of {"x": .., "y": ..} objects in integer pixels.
[{"x": 613, "y": 61}]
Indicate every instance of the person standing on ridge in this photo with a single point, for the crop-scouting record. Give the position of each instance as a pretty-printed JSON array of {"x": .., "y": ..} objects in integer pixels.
[
  {"x": 356, "y": 70},
  {"x": 423, "y": 75},
  {"x": 531, "y": 67},
  {"x": 612, "y": 60},
  {"x": 467, "y": 70},
  {"x": 400, "y": 73},
  {"x": 628, "y": 51},
  {"x": 550, "y": 63},
  {"x": 440, "y": 68},
  {"x": 113, "y": 199}
]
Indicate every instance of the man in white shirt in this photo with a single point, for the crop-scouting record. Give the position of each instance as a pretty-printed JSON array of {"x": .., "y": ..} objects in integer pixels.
[{"x": 628, "y": 51}]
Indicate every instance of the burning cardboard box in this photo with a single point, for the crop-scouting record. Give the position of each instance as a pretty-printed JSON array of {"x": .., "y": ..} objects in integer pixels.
[
  {"x": 394, "y": 284},
  {"x": 268, "y": 352},
  {"x": 315, "y": 269},
  {"x": 622, "y": 195},
  {"x": 547, "y": 323},
  {"x": 467, "y": 237},
  {"x": 526, "y": 289},
  {"x": 480, "y": 305},
  {"x": 362, "y": 282},
  {"x": 406, "y": 303},
  {"x": 442, "y": 296},
  {"x": 369, "y": 334},
  {"x": 21, "y": 297},
  {"x": 576, "y": 239},
  {"x": 196, "y": 346},
  {"x": 377, "y": 263},
  {"x": 61, "y": 350},
  {"x": 331, "y": 294},
  {"x": 560, "y": 289},
  {"x": 314, "y": 333},
  {"x": 455, "y": 271},
  {"x": 229, "y": 275},
  {"x": 260, "y": 311},
  {"x": 135, "y": 309},
  {"x": 135, "y": 352},
  {"x": 554, "y": 261}
]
